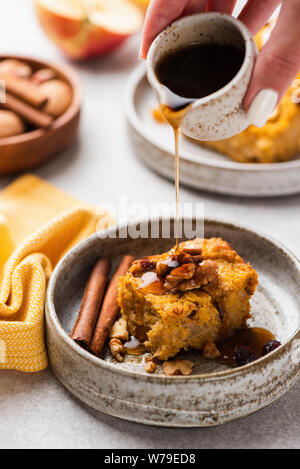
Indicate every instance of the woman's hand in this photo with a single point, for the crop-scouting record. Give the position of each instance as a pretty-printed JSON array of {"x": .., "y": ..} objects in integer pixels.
[{"x": 277, "y": 64}]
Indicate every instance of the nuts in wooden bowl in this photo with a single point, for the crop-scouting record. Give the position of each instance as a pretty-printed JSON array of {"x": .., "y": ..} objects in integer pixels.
[
  {"x": 42, "y": 124},
  {"x": 37, "y": 97},
  {"x": 10, "y": 124},
  {"x": 58, "y": 95},
  {"x": 16, "y": 68}
]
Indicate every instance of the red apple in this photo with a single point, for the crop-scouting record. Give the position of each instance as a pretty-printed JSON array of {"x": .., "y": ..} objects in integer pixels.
[{"x": 88, "y": 28}]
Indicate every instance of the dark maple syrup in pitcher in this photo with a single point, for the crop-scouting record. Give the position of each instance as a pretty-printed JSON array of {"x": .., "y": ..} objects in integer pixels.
[
  {"x": 198, "y": 70},
  {"x": 193, "y": 72}
]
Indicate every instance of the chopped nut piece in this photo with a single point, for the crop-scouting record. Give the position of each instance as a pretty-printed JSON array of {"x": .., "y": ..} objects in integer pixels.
[
  {"x": 207, "y": 272},
  {"x": 195, "y": 259},
  {"x": 117, "y": 349},
  {"x": 192, "y": 249},
  {"x": 178, "y": 367},
  {"x": 171, "y": 283},
  {"x": 162, "y": 269},
  {"x": 119, "y": 330},
  {"x": 210, "y": 351},
  {"x": 184, "y": 258},
  {"x": 150, "y": 365},
  {"x": 184, "y": 272}
]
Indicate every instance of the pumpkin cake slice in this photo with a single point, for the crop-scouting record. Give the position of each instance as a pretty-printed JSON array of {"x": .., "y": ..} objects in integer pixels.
[{"x": 189, "y": 297}]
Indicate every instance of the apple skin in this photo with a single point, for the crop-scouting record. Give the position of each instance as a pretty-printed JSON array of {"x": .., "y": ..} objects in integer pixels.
[{"x": 78, "y": 39}]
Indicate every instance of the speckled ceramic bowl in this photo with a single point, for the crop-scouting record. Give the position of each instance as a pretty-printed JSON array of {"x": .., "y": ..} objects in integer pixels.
[
  {"x": 200, "y": 168},
  {"x": 213, "y": 394},
  {"x": 221, "y": 114}
]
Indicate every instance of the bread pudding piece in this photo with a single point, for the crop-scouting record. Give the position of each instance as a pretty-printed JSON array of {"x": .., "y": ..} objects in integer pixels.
[
  {"x": 189, "y": 297},
  {"x": 278, "y": 140}
]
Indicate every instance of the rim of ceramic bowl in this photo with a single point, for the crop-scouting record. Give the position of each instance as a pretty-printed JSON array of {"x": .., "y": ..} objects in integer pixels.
[
  {"x": 199, "y": 17},
  {"x": 83, "y": 245},
  {"x": 70, "y": 76},
  {"x": 135, "y": 79}
]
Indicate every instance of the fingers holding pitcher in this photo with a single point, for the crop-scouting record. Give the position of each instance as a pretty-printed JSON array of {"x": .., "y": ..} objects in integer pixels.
[
  {"x": 159, "y": 16},
  {"x": 224, "y": 6},
  {"x": 276, "y": 67}
]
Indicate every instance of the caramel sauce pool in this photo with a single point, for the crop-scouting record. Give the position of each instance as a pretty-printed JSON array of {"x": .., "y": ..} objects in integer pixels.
[
  {"x": 134, "y": 347},
  {"x": 253, "y": 337},
  {"x": 137, "y": 351}
]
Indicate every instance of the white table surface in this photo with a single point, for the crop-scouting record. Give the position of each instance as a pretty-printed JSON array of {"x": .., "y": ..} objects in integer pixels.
[{"x": 35, "y": 410}]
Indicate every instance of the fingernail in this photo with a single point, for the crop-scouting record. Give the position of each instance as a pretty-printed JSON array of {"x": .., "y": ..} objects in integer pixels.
[{"x": 262, "y": 107}]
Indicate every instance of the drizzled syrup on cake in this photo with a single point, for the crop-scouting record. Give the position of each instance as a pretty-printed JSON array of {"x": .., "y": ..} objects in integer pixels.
[{"x": 176, "y": 271}]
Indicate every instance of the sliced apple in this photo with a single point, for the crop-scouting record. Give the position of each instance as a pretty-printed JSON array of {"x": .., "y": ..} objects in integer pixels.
[{"x": 88, "y": 28}]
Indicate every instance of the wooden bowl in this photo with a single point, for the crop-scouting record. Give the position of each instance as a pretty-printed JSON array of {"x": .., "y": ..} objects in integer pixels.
[{"x": 23, "y": 152}]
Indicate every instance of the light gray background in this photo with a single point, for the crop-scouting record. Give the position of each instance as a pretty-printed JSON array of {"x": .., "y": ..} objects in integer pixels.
[{"x": 35, "y": 410}]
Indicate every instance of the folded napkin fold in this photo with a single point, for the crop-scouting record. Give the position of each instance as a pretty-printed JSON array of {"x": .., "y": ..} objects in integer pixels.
[{"x": 38, "y": 225}]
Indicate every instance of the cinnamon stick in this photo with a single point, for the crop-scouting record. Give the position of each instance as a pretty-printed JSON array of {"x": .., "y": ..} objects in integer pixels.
[
  {"x": 82, "y": 331},
  {"x": 109, "y": 308},
  {"x": 23, "y": 89},
  {"x": 29, "y": 114}
]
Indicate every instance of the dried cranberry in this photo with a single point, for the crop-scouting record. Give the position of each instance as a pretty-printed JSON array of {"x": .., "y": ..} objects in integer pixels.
[
  {"x": 147, "y": 266},
  {"x": 270, "y": 346},
  {"x": 244, "y": 355}
]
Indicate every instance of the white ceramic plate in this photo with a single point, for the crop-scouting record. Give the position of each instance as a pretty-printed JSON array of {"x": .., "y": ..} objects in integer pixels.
[
  {"x": 199, "y": 167},
  {"x": 214, "y": 393}
]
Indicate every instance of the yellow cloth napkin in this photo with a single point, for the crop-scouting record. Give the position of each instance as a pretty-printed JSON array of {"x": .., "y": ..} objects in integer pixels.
[{"x": 38, "y": 225}]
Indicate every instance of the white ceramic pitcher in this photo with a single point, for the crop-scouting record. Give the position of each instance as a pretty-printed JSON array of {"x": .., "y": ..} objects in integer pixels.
[{"x": 221, "y": 114}]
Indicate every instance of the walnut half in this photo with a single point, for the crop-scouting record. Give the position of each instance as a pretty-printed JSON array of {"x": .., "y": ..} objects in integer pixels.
[
  {"x": 189, "y": 276},
  {"x": 150, "y": 365},
  {"x": 178, "y": 367},
  {"x": 117, "y": 349}
]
